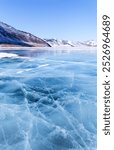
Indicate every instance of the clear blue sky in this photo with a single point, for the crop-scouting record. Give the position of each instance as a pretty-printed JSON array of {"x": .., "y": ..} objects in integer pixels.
[{"x": 63, "y": 19}]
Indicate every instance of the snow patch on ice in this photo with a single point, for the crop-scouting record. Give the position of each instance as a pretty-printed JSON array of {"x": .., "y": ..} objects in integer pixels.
[{"x": 2, "y": 55}]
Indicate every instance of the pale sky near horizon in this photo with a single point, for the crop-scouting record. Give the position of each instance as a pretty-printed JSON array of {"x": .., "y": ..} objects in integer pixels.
[{"x": 61, "y": 19}]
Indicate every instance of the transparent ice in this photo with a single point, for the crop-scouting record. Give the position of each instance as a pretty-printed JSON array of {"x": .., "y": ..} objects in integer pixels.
[{"x": 48, "y": 101}]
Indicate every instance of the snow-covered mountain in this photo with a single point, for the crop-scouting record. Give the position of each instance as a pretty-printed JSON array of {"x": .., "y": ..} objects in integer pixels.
[
  {"x": 67, "y": 43},
  {"x": 10, "y": 36}
]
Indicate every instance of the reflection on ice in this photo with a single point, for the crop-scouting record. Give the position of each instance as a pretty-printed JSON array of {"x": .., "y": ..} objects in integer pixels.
[{"x": 48, "y": 102}]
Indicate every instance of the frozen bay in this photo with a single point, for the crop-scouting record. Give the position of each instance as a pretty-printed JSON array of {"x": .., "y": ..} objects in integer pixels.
[{"x": 47, "y": 100}]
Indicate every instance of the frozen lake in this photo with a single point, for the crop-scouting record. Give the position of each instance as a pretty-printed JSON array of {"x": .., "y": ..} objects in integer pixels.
[{"x": 48, "y": 100}]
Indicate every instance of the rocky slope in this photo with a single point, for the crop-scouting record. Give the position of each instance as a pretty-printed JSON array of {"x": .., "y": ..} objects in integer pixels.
[{"x": 10, "y": 36}]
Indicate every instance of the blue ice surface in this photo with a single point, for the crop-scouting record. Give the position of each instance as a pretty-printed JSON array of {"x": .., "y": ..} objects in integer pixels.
[{"x": 48, "y": 100}]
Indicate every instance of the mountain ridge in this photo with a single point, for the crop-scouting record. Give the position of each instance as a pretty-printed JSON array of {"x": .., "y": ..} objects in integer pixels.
[
  {"x": 67, "y": 43},
  {"x": 12, "y": 37}
]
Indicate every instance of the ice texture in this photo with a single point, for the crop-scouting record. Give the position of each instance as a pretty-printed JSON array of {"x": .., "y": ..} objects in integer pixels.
[{"x": 48, "y": 101}]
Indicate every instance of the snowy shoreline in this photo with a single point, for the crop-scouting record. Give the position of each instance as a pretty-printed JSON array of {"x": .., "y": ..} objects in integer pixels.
[{"x": 49, "y": 48}]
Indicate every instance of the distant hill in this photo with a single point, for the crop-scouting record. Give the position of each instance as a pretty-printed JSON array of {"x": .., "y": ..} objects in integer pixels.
[{"x": 10, "y": 36}]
